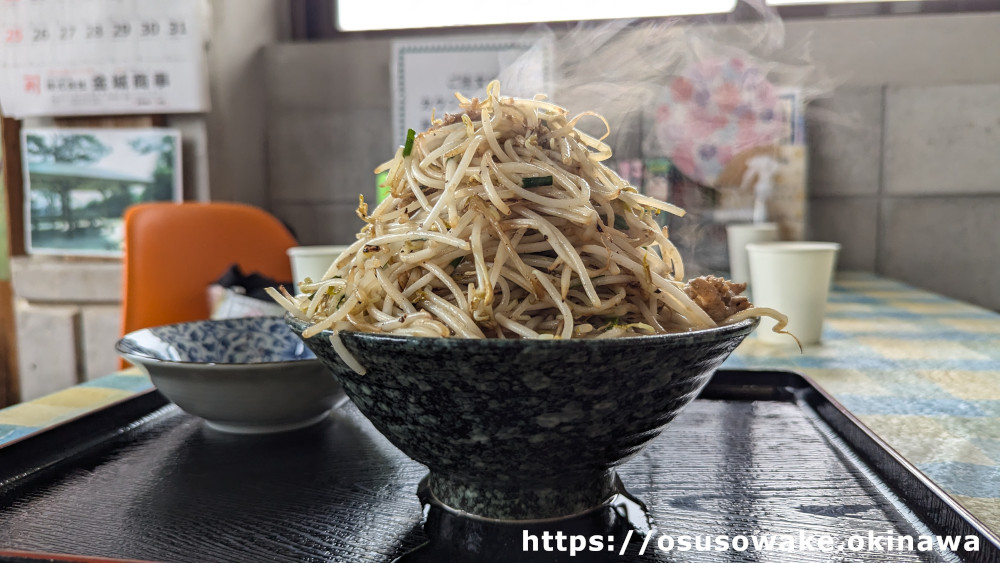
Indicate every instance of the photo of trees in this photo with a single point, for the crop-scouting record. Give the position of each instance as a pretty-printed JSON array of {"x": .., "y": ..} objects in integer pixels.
[{"x": 79, "y": 183}]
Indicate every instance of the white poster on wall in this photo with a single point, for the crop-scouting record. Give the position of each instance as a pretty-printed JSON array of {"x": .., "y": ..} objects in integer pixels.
[
  {"x": 427, "y": 73},
  {"x": 92, "y": 57}
]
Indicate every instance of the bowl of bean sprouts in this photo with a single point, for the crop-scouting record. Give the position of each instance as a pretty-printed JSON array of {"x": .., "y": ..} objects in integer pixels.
[{"x": 513, "y": 315}]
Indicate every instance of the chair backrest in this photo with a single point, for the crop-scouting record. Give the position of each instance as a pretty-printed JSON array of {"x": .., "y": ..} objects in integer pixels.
[{"x": 174, "y": 251}]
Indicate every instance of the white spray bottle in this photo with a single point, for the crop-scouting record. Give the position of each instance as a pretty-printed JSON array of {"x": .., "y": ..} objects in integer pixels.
[{"x": 764, "y": 168}]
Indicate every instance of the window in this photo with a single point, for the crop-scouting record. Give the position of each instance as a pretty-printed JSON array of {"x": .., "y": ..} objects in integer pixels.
[
  {"x": 322, "y": 19},
  {"x": 366, "y": 15}
]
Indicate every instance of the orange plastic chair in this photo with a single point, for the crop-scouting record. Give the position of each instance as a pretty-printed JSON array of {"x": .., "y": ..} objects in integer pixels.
[{"x": 174, "y": 251}]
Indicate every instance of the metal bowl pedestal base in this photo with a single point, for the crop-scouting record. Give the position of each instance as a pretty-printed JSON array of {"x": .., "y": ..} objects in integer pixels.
[{"x": 595, "y": 534}]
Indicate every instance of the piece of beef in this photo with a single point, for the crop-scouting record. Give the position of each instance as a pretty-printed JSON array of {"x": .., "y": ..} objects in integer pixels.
[{"x": 719, "y": 297}]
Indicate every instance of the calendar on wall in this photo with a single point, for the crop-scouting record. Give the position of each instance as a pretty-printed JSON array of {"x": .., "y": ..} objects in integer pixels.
[{"x": 94, "y": 57}]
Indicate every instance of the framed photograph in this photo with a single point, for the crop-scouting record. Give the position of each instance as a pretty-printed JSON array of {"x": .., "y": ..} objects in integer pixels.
[{"x": 78, "y": 183}]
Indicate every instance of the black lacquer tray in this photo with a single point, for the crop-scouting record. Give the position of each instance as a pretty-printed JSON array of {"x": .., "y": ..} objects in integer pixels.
[{"x": 758, "y": 453}]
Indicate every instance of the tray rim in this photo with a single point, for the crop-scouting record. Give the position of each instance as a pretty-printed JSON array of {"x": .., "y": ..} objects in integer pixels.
[
  {"x": 807, "y": 390},
  {"x": 55, "y": 443}
]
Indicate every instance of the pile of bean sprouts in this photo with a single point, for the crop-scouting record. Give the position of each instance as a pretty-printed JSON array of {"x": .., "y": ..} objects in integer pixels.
[{"x": 503, "y": 222}]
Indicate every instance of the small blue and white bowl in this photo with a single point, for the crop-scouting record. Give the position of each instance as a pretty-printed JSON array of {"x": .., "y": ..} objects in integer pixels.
[{"x": 249, "y": 375}]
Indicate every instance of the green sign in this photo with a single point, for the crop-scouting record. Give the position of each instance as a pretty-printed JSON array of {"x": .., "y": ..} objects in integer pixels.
[{"x": 381, "y": 191}]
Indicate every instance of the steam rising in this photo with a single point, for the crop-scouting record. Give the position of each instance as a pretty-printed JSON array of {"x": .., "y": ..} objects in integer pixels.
[
  {"x": 625, "y": 70},
  {"x": 620, "y": 68}
]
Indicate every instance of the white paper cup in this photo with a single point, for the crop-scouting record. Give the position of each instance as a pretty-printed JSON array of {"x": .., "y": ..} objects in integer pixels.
[
  {"x": 312, "y": 261},
  {"x": 793, "y": 278},
  {"x": 738, "y": 236}
]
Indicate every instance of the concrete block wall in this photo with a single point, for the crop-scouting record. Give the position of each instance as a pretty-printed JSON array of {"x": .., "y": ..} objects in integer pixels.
[
  {"x": 48, "y": 355},
  {"x": 329, "y": 126},
  {"x": 908, "y": 181},
  {"x": 68, "y": 320},
  {"x": 941, "y": 189},
  {"x": 845, "y": 171}
]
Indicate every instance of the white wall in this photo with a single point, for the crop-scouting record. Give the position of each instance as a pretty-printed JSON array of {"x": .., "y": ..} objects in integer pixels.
[
  {"x": 236, "y": 132},
  {"x": 915, "y": 50}
]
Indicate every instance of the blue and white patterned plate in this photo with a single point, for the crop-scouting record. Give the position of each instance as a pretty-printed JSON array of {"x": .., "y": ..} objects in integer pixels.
[{"x": 250, "y": 340}]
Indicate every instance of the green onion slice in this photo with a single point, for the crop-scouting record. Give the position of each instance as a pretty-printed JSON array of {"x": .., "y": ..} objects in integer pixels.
[
  {"x": 536, "y": 181},
  {"x": 408, "y": 147}
]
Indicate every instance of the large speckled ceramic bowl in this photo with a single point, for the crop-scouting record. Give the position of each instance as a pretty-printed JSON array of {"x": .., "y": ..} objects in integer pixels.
[
  {"x": 250, "y": 375},
  {"x": 525, "y": 429}
]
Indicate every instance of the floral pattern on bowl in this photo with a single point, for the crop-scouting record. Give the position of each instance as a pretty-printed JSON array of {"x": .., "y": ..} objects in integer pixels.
[{"x": 248, "y": 340}]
